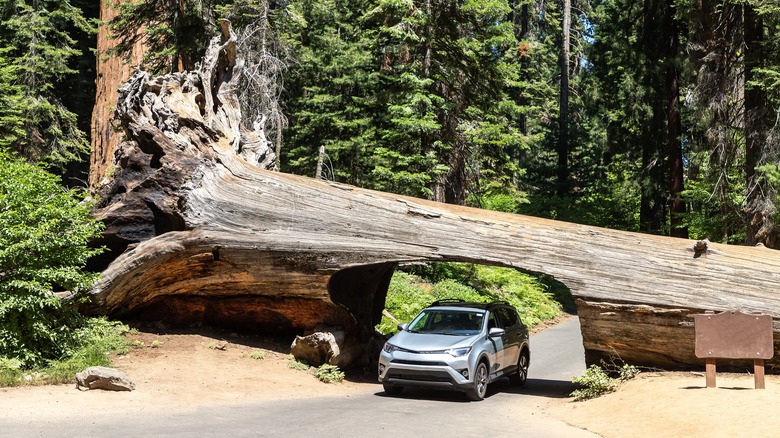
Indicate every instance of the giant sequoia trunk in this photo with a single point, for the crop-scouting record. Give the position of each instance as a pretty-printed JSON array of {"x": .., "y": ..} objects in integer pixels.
[{"x": 204, "y": 234}]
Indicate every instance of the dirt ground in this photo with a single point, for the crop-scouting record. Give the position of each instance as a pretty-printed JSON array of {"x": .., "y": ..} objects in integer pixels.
[{"x": 180, "y": 371}]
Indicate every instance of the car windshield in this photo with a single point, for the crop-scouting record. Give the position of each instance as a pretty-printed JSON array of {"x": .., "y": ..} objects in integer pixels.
[{"x": 447, "y": 322}]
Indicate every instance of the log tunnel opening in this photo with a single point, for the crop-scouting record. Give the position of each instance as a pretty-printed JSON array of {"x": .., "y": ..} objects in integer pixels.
[{"x": 363, "y": 291}]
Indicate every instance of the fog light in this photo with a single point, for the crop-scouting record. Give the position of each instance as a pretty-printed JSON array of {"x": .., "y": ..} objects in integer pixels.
[
  {"x": 381, "y": 369},
  {"x": 465, "y": 373}
]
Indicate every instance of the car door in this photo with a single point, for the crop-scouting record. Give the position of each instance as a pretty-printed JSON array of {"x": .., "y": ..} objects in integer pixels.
[
  {"x": 512, "y": 338},
  {"x": 497, "y": 358}
]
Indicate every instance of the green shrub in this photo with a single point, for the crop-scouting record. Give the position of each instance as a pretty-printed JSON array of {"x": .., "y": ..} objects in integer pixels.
[
  {"x": 10, "y": 371},
  {"x": 329, "y": 373},
  {"x": 298, "y": 365},
  {"x": 257, "y": 355},
  {"x": 596, "y": 381},
  {"x": 44, "y": 231}
]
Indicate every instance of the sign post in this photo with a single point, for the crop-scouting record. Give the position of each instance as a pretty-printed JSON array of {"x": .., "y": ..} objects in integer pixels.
[{"x": 734, "y": 335}]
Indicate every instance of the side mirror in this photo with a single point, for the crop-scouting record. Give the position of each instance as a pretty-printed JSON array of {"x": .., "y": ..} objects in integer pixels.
[
  {"x": 402, "y": 326},
  {"x": 496, "y": 332}
]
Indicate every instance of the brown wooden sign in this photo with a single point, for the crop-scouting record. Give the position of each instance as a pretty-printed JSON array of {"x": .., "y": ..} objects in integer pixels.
[{"x": 734, "y": 335}]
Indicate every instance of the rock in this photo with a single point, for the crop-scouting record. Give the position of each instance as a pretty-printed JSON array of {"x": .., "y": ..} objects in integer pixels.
[
  {"x": 318, "y": 348},
  {"x": 109, "y": 379}
]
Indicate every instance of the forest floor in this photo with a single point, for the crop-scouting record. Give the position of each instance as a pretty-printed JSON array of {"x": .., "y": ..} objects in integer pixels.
[{"x": 182, "y": 370}]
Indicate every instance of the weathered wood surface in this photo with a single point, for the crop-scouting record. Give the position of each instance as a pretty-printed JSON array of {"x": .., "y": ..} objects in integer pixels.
[{"x": 214, "y": 238}]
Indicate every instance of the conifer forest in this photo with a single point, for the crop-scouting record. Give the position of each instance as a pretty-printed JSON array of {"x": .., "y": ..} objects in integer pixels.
[{"x": 656, "y": 116}]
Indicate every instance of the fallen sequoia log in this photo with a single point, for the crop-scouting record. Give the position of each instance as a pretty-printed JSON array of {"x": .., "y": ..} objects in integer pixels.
[{"x": 200, "y": 232}]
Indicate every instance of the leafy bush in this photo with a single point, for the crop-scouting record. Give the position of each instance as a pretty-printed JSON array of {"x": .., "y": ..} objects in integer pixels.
[
  {"x": 44, "y": 231},
  {"x": 329, "y": 373},
  {"x": 595, "y": 383},
  {"x": 596, "y": 380},
  {"x": 96, "y": 341},
  {"x": 257, "y": 355}
]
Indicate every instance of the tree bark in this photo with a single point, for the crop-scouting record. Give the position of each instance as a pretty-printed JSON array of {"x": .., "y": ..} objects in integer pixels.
[
  {"x": 759, "y": 200},
  {"x": 212, "y": 237},
  {"x": 563, "y": 116},
  {"x": 112, "y": 72},
  {"x": 677, "y": 208}
]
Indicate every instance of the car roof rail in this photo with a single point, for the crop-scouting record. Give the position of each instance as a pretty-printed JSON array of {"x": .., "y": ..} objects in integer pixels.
[{"x": 447, "y": 301}]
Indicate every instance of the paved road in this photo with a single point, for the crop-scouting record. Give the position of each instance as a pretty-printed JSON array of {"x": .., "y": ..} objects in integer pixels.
[{"x": 557, "y": 355}]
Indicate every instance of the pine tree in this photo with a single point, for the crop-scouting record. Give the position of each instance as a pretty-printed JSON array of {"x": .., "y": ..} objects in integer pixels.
[{"x": 36, "y": 47}]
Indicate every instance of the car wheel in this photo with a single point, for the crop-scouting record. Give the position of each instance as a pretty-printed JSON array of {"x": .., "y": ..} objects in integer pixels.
[
  {"x": 477, "y": 392},
  {"x": 521, "y": 375},
  {"x": 392, "y": 390}
]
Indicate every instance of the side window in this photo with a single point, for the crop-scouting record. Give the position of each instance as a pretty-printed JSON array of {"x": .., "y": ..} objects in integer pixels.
[
  {"x": 507, "y": 316},
  {"x": 493, "y": 321}
]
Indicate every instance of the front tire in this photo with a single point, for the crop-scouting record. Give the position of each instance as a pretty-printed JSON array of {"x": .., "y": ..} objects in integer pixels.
[
  {"x": 477, "y": 392},
  {"x": 521, "y": 375},
  {"x": 392, "y": 390}
]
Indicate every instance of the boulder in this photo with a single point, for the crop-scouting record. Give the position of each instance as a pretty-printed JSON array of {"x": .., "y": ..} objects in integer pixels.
[
  {"x": 317, "y": 348},
  {"x": 109, "y": 379}
]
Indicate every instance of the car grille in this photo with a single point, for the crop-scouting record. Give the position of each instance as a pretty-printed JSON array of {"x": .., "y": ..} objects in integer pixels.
[
  {"x": 422, "y": 376},
  {"x": 420, "y": 362}
]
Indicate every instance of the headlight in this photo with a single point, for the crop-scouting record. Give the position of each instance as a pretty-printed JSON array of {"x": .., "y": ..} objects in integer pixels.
[
  {"x": 389, "y": 348},
  {"x": 458, "y": 352}
]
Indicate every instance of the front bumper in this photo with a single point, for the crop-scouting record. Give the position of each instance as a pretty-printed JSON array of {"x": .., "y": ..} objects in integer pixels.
[{"x": 429, "y": 370}]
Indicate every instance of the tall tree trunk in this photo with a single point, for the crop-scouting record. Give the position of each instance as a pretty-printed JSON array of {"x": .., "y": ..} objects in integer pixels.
[
  {"x": 759, "y": 203},
  {"x": 520, "y": 20},
  {"x": 438, "y": 191},
  {"x": 674, "y": 126},
  {"x": 112, "y": 72},
  {"x": 563, "y": 116},
  {"x": 652, "y": 213}
]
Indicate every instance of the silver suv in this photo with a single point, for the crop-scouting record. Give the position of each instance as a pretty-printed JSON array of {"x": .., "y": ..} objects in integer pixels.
[{"x": 457, "y": 345}]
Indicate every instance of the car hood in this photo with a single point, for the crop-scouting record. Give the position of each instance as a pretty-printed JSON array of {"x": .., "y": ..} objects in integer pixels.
[{"x": 430, "y": 342}]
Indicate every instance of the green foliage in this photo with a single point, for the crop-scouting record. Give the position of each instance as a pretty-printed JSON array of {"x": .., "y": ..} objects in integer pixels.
[
  {"x": 37, "y": 44},
  {"x": 406, "y": 97},
  {"x": 596, "y": 381},
  {"x": 299, "y": 365},
  {"x": 257, "y": 355},
  {"x": 409, "y": 293},
  {"x": 611, "y": 199},
  {"x": 44, "y": 231},
  {"x": 10, "y": 371},
  {"x": 327, "y": 373},
  {"x": 715, "y": 214},
  {"x": 94, "y": 342}
]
